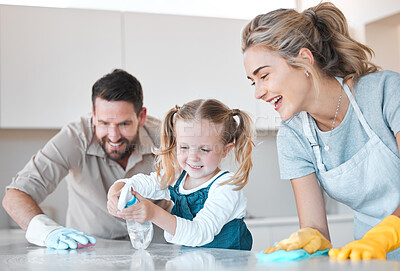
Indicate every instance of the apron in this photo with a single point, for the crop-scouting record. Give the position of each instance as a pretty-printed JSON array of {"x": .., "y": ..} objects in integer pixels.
[
  {"x": 369, "y": 182},
  {"x": 233, "y": 235}
]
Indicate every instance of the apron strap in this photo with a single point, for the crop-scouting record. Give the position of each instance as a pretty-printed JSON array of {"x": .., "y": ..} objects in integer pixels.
[
  {"x": 356, "y": 108},
  {"x": 220, "y": 174},
  {"x": 181, "y": 177},
  {"x": 312, "y": 140}
]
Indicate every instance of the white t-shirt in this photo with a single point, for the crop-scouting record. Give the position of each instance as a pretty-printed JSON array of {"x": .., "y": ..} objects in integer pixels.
[{"x": 377, "y": 95}]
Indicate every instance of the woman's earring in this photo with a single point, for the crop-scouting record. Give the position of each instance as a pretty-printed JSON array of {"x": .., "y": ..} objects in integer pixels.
[{"x": 307, "y": 74}]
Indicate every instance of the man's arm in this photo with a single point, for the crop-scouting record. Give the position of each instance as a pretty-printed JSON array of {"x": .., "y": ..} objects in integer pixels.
[
  {"x": 35, "y": 181},
  {"x": 20, "y": 207}
]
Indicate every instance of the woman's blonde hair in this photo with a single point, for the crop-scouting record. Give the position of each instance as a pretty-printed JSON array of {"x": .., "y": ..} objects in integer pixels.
[
  {"x": 323, "y": 30},
  {"x": 239, "y": 132}
]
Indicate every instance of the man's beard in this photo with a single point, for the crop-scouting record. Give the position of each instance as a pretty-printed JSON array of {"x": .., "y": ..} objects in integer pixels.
[{"x": 115, "y": 154}]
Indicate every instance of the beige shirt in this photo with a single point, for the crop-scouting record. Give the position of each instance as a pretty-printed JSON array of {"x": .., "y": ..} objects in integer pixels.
[{"x": 74, "y": 153}]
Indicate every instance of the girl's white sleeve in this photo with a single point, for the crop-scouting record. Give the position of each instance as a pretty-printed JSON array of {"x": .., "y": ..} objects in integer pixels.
[
  {"x": 147, "y": 185},
  {"x": 223, "y": 205}
]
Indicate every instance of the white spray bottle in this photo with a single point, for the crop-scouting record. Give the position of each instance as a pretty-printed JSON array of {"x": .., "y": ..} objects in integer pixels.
[{"x": 140, "y": 234}]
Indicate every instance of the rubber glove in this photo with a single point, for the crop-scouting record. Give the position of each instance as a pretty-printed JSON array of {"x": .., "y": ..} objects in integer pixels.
[
  {"x": 65, "y": 238},
  {"x": 308, "y": 239},
  {"x": 378, "y": 241},
  {"x": 43, "y": 231}
]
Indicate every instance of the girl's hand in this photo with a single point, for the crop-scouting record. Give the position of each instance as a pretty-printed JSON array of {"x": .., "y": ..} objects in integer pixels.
[
  {"x": 140, "y": 212},
  {"x": 112, "y": 198}
]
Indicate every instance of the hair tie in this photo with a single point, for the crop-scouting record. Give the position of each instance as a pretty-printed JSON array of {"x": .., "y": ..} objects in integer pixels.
[
  {"x": 235, "y": 112},
  {"x": 314, "y": 17}
]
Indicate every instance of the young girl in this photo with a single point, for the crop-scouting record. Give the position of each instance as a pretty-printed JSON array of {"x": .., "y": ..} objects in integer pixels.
[{"x": 209, "y": 204}]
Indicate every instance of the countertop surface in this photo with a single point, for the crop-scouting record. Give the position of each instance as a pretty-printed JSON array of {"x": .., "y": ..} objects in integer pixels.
[{"x": 17, "y": 254}]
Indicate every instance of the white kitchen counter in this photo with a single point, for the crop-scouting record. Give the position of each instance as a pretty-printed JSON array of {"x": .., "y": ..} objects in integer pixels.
[{"x": 17, "y": 254}]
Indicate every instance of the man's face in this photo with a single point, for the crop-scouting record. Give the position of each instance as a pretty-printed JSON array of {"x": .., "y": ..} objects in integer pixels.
[{"x": 117, "y": 125}]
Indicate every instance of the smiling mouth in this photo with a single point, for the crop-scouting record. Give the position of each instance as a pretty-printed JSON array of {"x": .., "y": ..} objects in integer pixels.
[
  {"x": 195, "y": 167},
  {"x": 115, "y": 144},
  {"x": 275, "y": 100}
]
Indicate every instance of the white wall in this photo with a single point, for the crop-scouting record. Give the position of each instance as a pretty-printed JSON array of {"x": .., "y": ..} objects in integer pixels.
[
  {"x": 49, "y": 60},
  {"x": 388, "y": 30},
  {"x": 359, "y": 12}
]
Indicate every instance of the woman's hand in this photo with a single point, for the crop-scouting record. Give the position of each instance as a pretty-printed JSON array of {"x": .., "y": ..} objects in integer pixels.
[
  {"x": 311, "y": 240},
  {"x": 378, "y": 241},
  {"x": 112, "y": 198}
]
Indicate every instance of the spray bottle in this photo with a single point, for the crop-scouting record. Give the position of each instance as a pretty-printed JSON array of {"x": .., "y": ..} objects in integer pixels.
[{"x": 140, "y": 234}]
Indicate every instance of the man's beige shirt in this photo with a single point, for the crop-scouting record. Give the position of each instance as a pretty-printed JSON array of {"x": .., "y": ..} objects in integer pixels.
[{"x": 75, "y": 155}]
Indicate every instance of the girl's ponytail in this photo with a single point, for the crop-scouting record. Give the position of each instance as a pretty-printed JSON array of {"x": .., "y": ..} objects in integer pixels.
[
  {"x": 243, "y": 140},
  {"x": 166, "y": 155}
]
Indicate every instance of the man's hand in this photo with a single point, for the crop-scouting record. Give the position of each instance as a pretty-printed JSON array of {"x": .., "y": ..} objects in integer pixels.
[
  {"x": 65, "y": 238},
  {"x": 43, "y": 231}
]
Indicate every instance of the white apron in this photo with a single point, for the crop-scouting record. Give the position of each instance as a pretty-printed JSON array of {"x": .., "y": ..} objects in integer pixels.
[{"x": 369, "y": 182}]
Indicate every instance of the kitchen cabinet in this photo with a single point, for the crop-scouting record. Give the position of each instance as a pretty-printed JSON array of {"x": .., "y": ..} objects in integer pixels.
[
  {"x": 49, "y": 60},
  {"x": 181, "y": 58}
]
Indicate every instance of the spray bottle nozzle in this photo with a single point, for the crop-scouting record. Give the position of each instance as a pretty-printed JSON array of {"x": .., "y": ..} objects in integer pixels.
[
  {"x": 131, "y": 202},
  {"x": 126, "y": 198}
]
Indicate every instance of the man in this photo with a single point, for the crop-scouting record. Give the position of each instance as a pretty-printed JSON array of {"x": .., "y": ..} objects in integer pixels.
[{"x": 114, "y": 142}]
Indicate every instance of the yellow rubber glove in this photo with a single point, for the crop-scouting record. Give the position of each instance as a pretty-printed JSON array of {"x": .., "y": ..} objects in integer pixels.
[
  {"x": 308, "y": 239},
  {"x": 378, "y": 241}
]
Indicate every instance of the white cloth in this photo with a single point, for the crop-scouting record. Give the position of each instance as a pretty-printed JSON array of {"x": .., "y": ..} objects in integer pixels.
[{"x": 223, "y": 205}]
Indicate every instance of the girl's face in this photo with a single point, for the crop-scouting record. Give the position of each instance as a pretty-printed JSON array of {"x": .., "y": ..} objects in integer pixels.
[
  {"x": 200, "y": 149},
  {"x": 287, "y": 89}
]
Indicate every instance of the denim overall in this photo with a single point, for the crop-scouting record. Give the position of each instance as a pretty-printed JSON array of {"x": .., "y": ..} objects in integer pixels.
[
  {"x": 369, "y": 182},
  {"x": 233, "y": 235}
]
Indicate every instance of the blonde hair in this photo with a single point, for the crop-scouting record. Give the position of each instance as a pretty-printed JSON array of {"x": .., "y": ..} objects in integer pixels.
[
  {"x": 241, "y": 134},
  {"x": 323, "y": 30}
]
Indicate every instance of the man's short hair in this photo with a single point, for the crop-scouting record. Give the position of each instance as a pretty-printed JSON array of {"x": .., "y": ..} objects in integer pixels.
[{"x": 119, "y": 86}]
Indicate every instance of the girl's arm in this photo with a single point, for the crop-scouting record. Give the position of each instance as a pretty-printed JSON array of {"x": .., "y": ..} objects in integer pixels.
[
  {"x": 146, "y": 210},
  {"x": 146, "y": 185},
  {"x": 222, "y": 205},
  {"x": 310, "y": 204}
]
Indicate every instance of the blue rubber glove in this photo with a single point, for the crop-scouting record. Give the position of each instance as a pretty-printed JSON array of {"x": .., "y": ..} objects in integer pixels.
[{"x": 65, "y": 238}]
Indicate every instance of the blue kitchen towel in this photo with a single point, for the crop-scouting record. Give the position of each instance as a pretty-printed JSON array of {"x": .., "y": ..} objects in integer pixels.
[{"x": 283, "y": 255}]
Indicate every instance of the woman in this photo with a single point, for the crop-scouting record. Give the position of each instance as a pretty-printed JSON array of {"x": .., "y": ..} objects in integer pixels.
[{"x": 340, "y": 125}]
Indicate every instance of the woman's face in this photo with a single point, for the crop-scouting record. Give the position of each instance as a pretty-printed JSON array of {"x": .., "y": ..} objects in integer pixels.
[{"x": 287, "y": 89}]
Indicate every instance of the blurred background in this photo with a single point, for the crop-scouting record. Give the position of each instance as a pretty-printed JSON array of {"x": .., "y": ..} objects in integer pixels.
[{"x": 51, "y": 53}]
